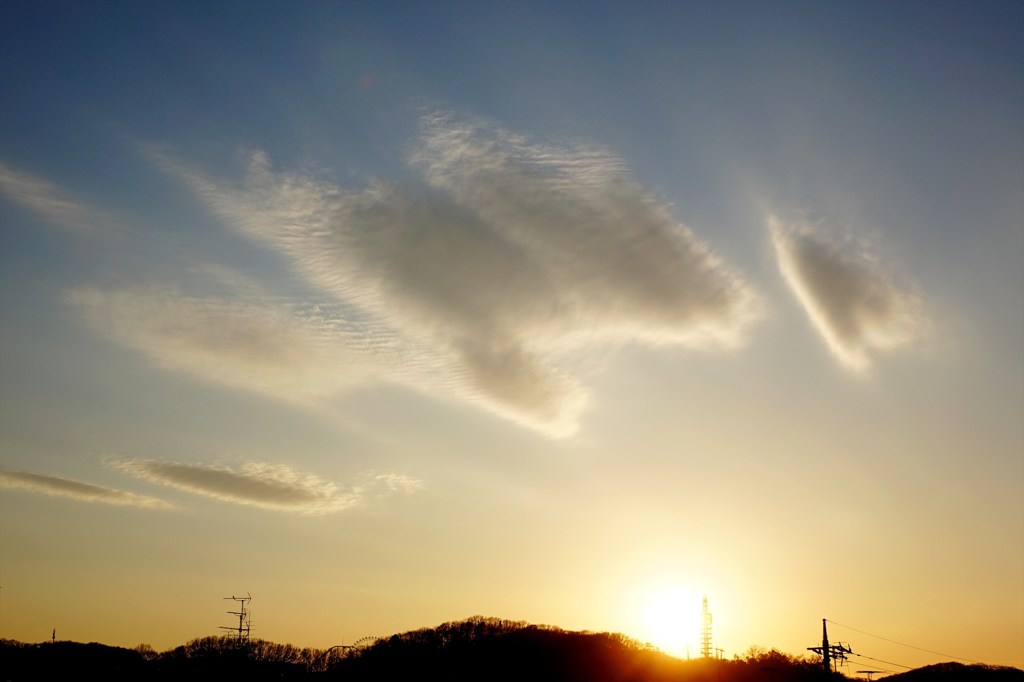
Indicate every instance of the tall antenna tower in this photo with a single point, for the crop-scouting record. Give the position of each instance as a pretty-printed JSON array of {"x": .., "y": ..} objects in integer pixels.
[
  {"x": 244, "y": 618},
  {"x": 705, "y": 635}
]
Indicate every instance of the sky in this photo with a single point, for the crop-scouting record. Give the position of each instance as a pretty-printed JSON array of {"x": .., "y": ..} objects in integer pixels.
[{"x": 391, "y": 314}]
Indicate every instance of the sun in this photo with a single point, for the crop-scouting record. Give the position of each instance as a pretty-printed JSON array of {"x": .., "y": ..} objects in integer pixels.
[{"x": 672, "y": 620}]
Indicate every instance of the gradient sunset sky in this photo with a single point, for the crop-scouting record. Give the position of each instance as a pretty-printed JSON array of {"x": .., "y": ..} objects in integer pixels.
[{"x": 394, "y": 313}]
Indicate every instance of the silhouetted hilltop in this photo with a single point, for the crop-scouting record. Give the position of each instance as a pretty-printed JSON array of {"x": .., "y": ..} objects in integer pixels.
[
  {"x": 474, "y": 649},
  {"x": 201, "y": 659},
  {"x": 68, "y": 661},
  {"x": 500, "y": 650},
  {"x": 954, "y": 672},
  {"x": 493, "y": 649}
]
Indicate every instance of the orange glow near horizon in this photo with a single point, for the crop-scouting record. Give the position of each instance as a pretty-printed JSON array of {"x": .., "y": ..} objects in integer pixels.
[{"x": 672, "y": 620}]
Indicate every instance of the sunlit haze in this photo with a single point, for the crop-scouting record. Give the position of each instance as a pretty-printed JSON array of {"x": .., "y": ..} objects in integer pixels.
[{"x": 572, "y": 313}]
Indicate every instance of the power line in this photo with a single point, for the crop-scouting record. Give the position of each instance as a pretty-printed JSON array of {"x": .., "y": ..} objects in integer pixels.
[
  {"x": 908, "y": 667},
  {"x": 911, "y": 646}
]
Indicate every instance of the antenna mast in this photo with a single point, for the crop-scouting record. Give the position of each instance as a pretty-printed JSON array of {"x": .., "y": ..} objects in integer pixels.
[{"x": 244, "y": 618}]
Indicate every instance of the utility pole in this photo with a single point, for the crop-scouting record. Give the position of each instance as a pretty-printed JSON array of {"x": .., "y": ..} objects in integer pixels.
[
  {"x": 832, "y": 655},
  {"x": 825, "y": 649}
]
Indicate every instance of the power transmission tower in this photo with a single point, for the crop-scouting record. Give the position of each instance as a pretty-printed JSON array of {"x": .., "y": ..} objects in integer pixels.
[
  {"x": 705, "y": 635},
  {"x": 244, "y": 618},
  {"x": 832, "y": 655}
]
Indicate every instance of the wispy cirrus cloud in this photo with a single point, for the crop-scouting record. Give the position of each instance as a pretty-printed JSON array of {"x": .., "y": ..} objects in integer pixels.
[
  {"x": 76, "y": 490},
  {"x": 50, "y": 201},
  {"x": 400, "y": 483},
  {"x": 511, "y": 256},
  {"x": 856, "y": 307},
  {"x": 265, "y": 485},
  {"x": 298, "y": 353}
]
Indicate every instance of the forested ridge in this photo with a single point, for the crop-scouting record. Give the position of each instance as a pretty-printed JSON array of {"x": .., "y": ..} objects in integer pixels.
[{"x": 473, "y": 649}]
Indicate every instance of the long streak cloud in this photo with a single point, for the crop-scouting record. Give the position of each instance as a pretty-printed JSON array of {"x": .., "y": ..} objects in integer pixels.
[
  {"x": 265, "y": 485},
  {"x": 853, "y": 304},
  {"x": 270, "y": 347},
  {"x": 46, "y": 199},
  {"x": 509, "y": 256},
  {"x": 76, "y": 490}
]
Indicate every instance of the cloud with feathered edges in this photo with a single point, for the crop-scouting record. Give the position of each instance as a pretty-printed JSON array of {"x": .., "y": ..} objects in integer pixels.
[
  {"x": 484, "y": 278},
  {"x": 46, "y": 199},
  {"x": 297, "y": 353},
  {"x": 856, "y": 307},
  {"x": 265, "y": 485},
  {"x": 76, "y": 490}
]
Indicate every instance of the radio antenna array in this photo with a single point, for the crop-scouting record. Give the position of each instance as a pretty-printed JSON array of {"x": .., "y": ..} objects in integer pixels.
[{"x": 244, "y": 614}]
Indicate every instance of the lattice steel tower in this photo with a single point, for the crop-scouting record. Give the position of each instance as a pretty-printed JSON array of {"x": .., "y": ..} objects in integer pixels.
[{"x": 705, "y": 635}]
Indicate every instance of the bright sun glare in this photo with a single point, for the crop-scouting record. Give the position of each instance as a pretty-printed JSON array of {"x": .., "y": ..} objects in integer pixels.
[{"x": 673, "y": 620}]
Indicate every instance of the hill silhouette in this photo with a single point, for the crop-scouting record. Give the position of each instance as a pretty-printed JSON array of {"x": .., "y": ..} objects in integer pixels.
[
  {"x": 941, "y": 672},
  {"x": 473, "y": 649}
]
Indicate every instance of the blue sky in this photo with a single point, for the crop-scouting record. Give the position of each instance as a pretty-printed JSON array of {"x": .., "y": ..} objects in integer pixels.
[{"x": 535, "y": 310}]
